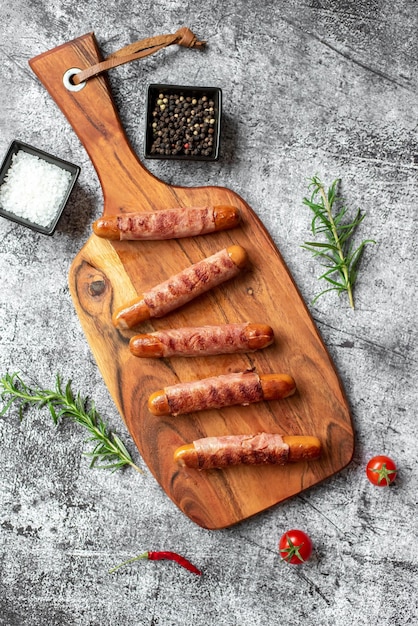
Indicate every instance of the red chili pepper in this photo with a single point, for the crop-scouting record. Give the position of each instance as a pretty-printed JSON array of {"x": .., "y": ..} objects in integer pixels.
[
  {"x": 172, "y": 556},
  {"x": 160, "y": 556}
]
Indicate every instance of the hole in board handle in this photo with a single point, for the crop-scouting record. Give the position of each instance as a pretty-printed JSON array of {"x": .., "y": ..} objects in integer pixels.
[{"x": 67, "y": 80}]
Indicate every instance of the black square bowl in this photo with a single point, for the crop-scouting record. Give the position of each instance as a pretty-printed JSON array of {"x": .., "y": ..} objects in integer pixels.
[
  {"x": 7, "y": 164},
  {"x": 183, "y": 123}
]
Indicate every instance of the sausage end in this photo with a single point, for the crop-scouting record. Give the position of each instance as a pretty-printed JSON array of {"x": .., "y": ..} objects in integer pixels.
[
  {"x": 302, "y": 448},
  {"x": 146, "y": 346},
  {"x": 238, "y": 256},
  {"x": 259, "y": 336},
  {"x": 186, "y": 456},
  {"x": 158, "y": 403},
  {"x": 277, "y": 386},
  {"x": 107, "y": 228},
  {"x": 118, "y": 320},
  {"x": 131, "y": 314},
  {"x": 226, "y": 217}
]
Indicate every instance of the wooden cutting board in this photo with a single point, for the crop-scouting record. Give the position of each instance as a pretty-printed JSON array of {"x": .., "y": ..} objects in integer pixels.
[{"x": 104, "y": 275}]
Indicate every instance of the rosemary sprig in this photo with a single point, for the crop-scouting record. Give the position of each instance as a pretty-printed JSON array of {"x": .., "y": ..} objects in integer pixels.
[
  {"x": 109, "y": 452},
  {"x": 336, "y": 253}
]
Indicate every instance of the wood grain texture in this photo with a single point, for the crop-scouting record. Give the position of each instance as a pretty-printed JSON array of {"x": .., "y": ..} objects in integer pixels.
[{"x": 105, "y": 275}]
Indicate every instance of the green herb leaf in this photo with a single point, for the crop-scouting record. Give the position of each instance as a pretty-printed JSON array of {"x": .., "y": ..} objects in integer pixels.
[
  {"x": 336, "y": 252},
  {"x": 109, "y": 451}
]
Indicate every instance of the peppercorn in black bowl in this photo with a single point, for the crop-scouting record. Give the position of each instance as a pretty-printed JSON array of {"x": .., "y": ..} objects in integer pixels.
[{"x": 183, "y": 122}]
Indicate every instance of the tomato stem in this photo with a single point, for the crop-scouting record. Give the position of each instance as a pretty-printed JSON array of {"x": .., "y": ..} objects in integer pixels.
[
  {"x": 292, "y": 550},
  {"x": 383, "y": 473}
]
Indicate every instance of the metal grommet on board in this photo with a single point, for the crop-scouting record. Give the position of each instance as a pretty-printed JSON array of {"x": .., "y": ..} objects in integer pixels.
[{"x": 68, "y": 83}]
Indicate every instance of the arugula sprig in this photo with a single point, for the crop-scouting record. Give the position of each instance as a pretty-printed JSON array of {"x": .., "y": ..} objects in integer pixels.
[
  {"x": 336, "y": 252},
  {"x": 109, "y": 451}
]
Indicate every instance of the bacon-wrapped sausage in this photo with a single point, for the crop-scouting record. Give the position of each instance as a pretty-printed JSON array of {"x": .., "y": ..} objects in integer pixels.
[
  {"x": 260, "y": 449},
  {"x": 167, "y": 223},
  {"x": 220, "y": 391},
  {"x": 183, "y": 287},
  {"x": 202, "y": 340}
]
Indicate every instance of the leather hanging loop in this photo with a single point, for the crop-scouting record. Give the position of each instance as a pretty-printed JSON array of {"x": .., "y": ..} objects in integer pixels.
[
  {"x": 138, "y": 50},
  {"x": 188, "y": 39}
]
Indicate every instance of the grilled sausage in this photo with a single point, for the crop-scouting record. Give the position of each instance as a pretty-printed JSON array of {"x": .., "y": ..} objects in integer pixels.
[
  {"x": 203, "y": 340},
  {"x": 183, "y": 287},
  {"x": 220, "y": 391},
  {"x": 167, "y": 223},
  {"x": 260, "y": 449}
]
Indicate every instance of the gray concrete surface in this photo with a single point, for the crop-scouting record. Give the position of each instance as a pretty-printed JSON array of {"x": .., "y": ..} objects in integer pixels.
[{"x": 315, "y": 86}]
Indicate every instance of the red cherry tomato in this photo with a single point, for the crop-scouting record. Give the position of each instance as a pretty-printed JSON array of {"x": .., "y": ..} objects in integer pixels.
[
  {"x": 295, "y": 547},
  {"x": 381, "y": 471}
]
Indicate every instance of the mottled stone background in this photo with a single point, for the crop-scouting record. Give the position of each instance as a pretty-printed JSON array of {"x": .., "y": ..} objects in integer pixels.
[{"x": 314, "y": 86}]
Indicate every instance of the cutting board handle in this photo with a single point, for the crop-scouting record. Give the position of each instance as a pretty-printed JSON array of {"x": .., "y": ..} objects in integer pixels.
[{"x": 93, "y": 115}]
